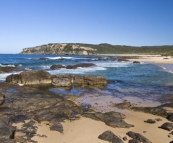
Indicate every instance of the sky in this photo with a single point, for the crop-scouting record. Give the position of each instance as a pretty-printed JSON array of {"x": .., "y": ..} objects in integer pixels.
[{"x": 28, "y": 23}]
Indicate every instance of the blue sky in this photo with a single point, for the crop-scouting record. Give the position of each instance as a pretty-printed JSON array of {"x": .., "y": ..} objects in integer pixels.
[{"x": 27, "y": 23}]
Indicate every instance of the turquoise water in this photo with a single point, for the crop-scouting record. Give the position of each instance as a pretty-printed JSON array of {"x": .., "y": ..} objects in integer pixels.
[{"x": 127, "y": 79}]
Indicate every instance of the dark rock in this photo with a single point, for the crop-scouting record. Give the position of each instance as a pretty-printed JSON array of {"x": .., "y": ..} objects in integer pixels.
[
  {"x": 167, "y": 126},
  {"x": 170, "y": 117},
  {"x": 134, "y": 141},
  {"x": 136, "y": 62},
  {"x": 56, "y": 127},
  {"x": 43, "y": 58},
  {"x": 18, "y": 118},
  {"x": 62, "y": 80},
  {"x": 139, "y": 137},
  {"x": 2, "y": 99},
  {"x": 110, "y": 137},
  {"x": 150, "y": 121},
  {"x": 6, "y": 131},
  {"x": 54, "y": 67},
  {"x": 125, "y": 138},
  {"x": 152, "y": 110},
  {"x": 83, "y": 65},
  {"x": 8, "y": 69},
  {"x": 123, "y": 105}
]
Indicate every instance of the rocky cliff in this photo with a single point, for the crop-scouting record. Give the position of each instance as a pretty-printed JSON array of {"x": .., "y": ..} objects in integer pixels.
[{"x": 60, "y": 49}]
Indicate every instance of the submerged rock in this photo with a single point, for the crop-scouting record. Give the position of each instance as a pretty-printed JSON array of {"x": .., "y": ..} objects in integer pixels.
[
  {"x": 83, "y": 65},
  {"x": 139, "y": 137},
  {"x": 136, "y": 62},
  {"x": 110, "y": 137},
  {"x": 54, "y": 67},
  {"x": 94, "y": 80}
]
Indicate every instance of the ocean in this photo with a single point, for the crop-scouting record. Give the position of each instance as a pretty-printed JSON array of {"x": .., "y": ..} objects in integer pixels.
[{"x": 126, "y": 79}]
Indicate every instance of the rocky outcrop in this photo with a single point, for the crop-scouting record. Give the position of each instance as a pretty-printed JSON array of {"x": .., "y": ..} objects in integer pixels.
[
  {"x": 77, "y": 79},
  {"x": 30, "y": 77},
  {"x": 110, "y": 137},
  {"x": 138, "y": 137},
  {"x": 62, "y": 80},
  {"x": 60, "y": 49},
  {"x": 94, "y": 80}
]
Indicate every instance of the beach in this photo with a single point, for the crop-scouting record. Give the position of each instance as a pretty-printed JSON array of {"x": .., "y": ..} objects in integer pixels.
[{"x": 82, "y": 114}]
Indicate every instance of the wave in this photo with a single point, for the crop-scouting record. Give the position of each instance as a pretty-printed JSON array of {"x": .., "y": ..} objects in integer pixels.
[
  {"x": 113, "y": 64},
  {"x": 57, "y": 58},
  {"x": 4, "y": 75},
  {"x": 76, "y": 71},
  {"x": 1, "y": 65}
]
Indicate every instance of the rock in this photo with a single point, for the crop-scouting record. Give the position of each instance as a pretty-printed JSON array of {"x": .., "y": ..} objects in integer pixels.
[
  {"x": 54, "y": 67},
  {"x": 56, "y": 127},
  {"x": 8, "y": 69},
  {"x": 18, "y": 118},
  {"x": 13, "y": 78},
  {"x": 94, "y": 80},
  {"x": 136, "y": 62},
  {"x": 110, "y": 137},
  {"x": 83, "y": 65},
  {"x": 123, "y": 105},
  {"x": 170, "y": 117},
  {"x": 134, "y": 141},
  {"x": 77, "y": 79},
  {"x": 62, "y": 80},
  {"x": 150, "y": 121},
  {"x": 43, "y": 58},
  {"x": 125, "y": 138},
  {"x": 2, "y": 99},
  {"x": 35, "y": 77},
  {"x": 167, "y": 126},
  {"x": 139, "y": 137},
  {"x": 7, "y": 131}
]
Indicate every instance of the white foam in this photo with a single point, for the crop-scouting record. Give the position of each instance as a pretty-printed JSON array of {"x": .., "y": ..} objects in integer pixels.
[
  {"x": 4, "y": 75},
  {"x": 56, "y": 58},
  {"x": 20, "y": 84},
  {"x": 76, "y": 71},
  {"x": 113, "y": 64},
  {"x": 1, "y": 65}
]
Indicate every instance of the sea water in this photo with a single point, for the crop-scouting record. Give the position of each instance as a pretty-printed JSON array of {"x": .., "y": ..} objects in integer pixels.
[{"x": 145, "y": 80}]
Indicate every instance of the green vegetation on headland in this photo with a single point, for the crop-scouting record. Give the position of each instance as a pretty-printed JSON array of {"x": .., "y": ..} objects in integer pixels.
[{"x": 78, "y": 48}]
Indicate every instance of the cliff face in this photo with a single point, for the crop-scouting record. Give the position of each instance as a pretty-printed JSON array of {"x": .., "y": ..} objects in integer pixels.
[{"x": 60, "y": 49}]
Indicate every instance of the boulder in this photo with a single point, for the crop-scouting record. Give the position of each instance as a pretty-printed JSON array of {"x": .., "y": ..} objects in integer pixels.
[
  {"x": 62, "y": 80},
  {"x": 139, "y": 137},
  {"x": 150, "y": 121},
  {"x": 35, "y": 77},
  {"x": 83, "y": 65},
  {"x": 94, "y": 80},
  {"x": 8, "y": 69},
  {"x": 167, "y": 126},
  {"x": 134, "y": 141},
  {"x": 13, "y": 78},
  {"x": 170, "y": 117},
  {"x": 77, "y": 79},
  {"x": 2, "y": 99},
  {"x": 54, "y": 67},
  {"x": 110, "y": 137}
]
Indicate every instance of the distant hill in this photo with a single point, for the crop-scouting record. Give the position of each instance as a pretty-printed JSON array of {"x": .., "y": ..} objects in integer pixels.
[{"x": 88, "y": 49}]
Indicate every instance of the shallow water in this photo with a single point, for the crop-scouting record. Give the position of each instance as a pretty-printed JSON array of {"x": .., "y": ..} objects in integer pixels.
[{"x": 147, "y": 81}]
